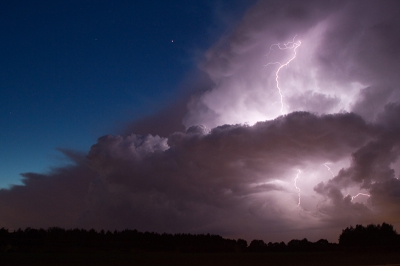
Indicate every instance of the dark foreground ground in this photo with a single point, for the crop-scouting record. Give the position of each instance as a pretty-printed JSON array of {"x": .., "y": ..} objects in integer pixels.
[{"x": 197, "y": 259}]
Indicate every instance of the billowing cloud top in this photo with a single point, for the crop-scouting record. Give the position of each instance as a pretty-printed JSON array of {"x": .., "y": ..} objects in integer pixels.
[{"x": 298, "y": 136}]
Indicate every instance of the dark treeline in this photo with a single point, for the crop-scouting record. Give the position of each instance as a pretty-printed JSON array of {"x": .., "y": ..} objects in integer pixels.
[
  {"x": 57, "y": 239},
  {"x": 370, "y": 236}
]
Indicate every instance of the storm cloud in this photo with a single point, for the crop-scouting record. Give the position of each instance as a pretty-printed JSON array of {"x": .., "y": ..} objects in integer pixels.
[{"x": 241, "y": 166}]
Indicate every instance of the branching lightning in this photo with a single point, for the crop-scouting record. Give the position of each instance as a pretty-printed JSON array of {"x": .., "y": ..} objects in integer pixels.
[
  {"x": 289, "y": 45},
  {"x": 292, "y": 45},
  {"x": 295, "y": 185}
]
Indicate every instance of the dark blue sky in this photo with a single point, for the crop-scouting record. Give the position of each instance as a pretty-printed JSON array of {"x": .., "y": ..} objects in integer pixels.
[{"x": 72, "y": 71}]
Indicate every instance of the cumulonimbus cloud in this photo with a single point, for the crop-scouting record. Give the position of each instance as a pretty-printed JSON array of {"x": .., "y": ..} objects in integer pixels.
[{"x": 241, "y": 168}]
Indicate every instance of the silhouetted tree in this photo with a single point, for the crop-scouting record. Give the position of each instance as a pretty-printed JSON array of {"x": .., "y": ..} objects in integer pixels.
[
  {"x": 371, "y": 235},
  {"x": 299, "y": 245},
  {"x": 257, "y": 246},
  {"x": 241, "y": 245}
]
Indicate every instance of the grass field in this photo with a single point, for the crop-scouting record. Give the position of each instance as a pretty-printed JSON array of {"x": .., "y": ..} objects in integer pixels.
[{"x": 198, "y": 259}]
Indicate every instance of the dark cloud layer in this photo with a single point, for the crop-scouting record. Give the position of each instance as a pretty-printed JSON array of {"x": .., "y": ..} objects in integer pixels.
[
  {"x": 228, "y": 180},
  {"x": 53, "y": 199},
  {"x": 240, "y": 169}
]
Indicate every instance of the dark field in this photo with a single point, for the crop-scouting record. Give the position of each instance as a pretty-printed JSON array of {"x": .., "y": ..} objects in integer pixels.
[{"x": 194, "y": 259}]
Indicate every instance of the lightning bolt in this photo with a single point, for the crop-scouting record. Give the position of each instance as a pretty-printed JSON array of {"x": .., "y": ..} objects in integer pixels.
[
  {"x": 329, "y": 169},
  {"x": 292, "y": 45},
  {"x": 352, "y": 197},
  {"x": 359, "y": 194},
  {"x": 297, "y": 188}
]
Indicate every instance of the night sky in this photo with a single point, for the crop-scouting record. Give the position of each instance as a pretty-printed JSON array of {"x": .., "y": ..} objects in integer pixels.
[
  {"x": 250, "y": 119},
  {"x": 72, "y": 71}
]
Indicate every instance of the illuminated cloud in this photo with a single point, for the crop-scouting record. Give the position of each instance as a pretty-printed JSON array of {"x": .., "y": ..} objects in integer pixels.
[
  {"x": 345, "y": 55},
  {"x": 233, "y": 170}
]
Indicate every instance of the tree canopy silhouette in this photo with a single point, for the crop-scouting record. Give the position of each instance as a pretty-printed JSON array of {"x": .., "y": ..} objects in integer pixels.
[
  {"x": 371, "y": 235},
  {"x": 72, "y": 240}
]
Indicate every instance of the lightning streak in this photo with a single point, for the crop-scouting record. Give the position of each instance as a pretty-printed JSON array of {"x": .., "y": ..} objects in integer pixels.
[
  {"x": 352, "y": 197},
  {"x": 292, "y": 45},
  {"x": 295, "y": 185},
  {"x": 329, "y": 169},
  {"x": 289, "y": 45},
  {"x": 359, "y": 194}
]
